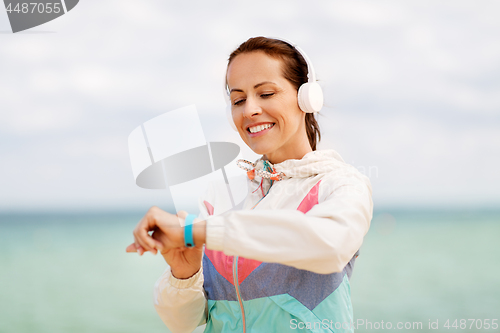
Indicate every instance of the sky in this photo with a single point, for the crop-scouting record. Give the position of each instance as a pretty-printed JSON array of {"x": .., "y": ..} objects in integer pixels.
[{"x": 412, "y": 94}]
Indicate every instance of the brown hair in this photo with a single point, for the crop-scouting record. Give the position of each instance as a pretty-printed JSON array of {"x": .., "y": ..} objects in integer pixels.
[{"x": 294, "y": 70}]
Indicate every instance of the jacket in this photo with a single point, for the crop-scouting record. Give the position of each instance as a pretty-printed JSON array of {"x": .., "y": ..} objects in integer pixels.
[{"x": 282, "y": 260}]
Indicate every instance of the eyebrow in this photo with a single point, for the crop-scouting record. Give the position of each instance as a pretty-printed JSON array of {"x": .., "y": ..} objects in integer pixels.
[{"x": 255, "y": 87}]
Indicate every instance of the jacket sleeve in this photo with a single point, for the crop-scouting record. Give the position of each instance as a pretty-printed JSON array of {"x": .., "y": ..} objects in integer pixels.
[
  {"x": 181, "y": 303},
  {"x": 322, "y": 241}
]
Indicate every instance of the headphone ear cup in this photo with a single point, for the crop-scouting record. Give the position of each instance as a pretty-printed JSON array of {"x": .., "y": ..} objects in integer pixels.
[
  {"x": 310, "y": 97},
  {"x": 230, "y": 117}
]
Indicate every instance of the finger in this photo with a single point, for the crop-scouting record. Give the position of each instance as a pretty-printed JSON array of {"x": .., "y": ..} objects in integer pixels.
[
  {"x": 139, "y": 244},
  {"x": 158, "y": 244},
  {"x": 142, "y": 237},
  {"x": 149, "y": 222},
  {"x": 140, "y": 247},
  {"x": 140, "y": 250},
  {"x": 131, "y": 248}
]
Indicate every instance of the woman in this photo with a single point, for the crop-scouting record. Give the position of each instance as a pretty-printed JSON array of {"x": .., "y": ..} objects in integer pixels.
[{"x": 283, "y": 261}]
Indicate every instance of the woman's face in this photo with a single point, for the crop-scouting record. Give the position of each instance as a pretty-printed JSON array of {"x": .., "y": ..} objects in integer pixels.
[{"x": 265, "y": 109}]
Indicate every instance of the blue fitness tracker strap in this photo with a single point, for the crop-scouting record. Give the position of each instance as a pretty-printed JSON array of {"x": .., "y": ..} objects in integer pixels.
[{"x": 188, "y": 230}]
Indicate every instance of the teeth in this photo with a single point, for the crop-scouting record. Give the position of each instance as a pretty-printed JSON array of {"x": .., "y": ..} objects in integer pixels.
[{"x": 259, "y": 128}]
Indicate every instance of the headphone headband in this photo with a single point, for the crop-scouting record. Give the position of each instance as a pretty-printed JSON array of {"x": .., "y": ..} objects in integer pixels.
[{"x": 311, "y": 74}]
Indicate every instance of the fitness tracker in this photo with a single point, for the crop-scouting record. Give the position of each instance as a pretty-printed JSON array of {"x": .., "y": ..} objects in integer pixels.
[{"x": 188, "y": 230}]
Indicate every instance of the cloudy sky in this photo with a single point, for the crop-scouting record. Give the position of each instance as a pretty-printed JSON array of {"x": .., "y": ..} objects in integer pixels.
[{"x": 412, "y": 94}]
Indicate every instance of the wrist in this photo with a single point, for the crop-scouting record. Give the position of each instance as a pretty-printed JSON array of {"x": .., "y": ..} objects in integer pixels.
[
  {"x": 194, "y": 231},
  {"x": 200, "y": 232},
  {"x": 184, "y": 274}
]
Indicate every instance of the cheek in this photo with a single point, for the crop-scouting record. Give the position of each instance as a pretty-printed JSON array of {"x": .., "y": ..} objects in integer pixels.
[
  {"x": 293, "y": 116},
  {"x": 291, "y": 122},
  {"x": 237, "y": 118}
]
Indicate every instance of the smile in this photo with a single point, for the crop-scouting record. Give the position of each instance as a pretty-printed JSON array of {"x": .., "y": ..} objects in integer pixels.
[{"x": 259, "y": 128}]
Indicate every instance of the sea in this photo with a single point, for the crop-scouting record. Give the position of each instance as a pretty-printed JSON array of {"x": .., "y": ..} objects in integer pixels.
[{"x": 419, "y": 270}]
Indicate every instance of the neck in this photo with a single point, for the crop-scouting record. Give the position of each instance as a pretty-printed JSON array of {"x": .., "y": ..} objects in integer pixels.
[
  {"x": 295, "y": 153},
  {"x": 294, "y": 149}
]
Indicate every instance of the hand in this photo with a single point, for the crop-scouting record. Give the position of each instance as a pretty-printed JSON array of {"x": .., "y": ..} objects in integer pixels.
[
  {"x": 184, "y": 262},
  {"x": 154, "y": 219},
  {"x": 171, "y": 231}
]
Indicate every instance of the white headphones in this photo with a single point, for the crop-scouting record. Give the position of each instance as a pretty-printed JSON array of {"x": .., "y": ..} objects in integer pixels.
[{"x": 310, "y": 94}]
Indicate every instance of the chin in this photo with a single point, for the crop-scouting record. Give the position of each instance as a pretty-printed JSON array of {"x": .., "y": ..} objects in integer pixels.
[{"x": 260, "y": 149}]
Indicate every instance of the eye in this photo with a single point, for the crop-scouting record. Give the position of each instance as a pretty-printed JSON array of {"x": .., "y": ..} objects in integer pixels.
[
  {"x": 238, "y": 102},
  {"x": 266, "y": 95}
]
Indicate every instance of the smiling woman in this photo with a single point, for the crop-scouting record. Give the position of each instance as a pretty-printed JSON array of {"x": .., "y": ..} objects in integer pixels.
[
  {"x": 284, "y": 257},
  {"x": 288, "y": 66},
  {"x": 265, "y": 108}
]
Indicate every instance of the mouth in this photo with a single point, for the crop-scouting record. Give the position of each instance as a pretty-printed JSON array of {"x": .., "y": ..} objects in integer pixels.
[{"x": 257, "y": 129}]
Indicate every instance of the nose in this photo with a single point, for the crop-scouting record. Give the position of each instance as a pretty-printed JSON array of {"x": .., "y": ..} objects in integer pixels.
[{"x": 251, "y": 108}]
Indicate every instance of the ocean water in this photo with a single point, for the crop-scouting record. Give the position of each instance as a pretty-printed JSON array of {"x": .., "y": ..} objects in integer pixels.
[{"x": 70, "y": 273}]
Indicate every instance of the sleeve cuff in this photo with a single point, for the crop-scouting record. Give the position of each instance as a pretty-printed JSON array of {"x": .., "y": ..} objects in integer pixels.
[
  {"x": 184, "y": 283},
  {"x": 215, "y": 233}
]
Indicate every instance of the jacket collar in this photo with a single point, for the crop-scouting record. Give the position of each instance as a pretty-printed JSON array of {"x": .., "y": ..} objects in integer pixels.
[{"x": 313, "y": 163}]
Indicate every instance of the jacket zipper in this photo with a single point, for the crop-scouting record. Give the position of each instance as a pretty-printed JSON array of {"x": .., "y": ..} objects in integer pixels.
[
  {"x": 235, "y": 275},
  {"x": 237, "y": 287}
]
